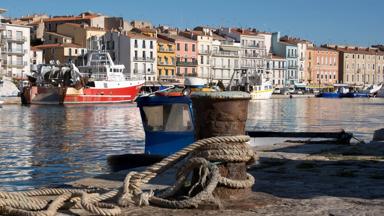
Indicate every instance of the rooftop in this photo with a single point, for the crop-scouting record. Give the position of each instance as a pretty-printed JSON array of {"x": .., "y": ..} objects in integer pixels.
[
  {"x": 57, "y": 45},
  {"x": 70, "y": 18},
  {"x": 86, "y": 27},
  {"x": 354, "y": 49}
]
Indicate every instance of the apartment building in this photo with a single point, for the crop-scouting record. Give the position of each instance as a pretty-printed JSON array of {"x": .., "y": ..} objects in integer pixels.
[
  {"x": 186, "y": 54},
  {"x": 253, "y": 48},
  {"x": 63, "y": 53},
  {"x": 225, "y": 60},
  {"x": 36, "y": 58},
  {"x": 359, "y": 66},
  {"x": 82, "y": 34},
  {"x": 137, "y": 52},
  {"x": 166, "y": 60},
  {"x": 204, "y": 38},
  {"x": 276, "y": 70},
  {"x": 322, "y": 66},
  {"x": 15, "y": 48},
  {"x": 87, "y": 18},
  {"x": 290, "y": 52}
]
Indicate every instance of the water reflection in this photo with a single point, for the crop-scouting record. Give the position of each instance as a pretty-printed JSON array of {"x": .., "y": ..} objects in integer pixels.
[
  {"x": 360, "y": 116},
  {"x": 43, "y": 145}
]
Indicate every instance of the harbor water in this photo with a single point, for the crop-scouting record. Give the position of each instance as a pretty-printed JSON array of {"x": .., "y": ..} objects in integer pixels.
[{"x": 51, "y": 145}]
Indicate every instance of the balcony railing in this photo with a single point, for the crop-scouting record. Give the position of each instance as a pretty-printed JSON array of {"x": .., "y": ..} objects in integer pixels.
[
  {"x": 254, "y": 46},
  {"x": 144, "y": 59},
  {"x": 169, "y": 50},
  {"x": 187, "y": 64},
  {"x": 225, "y": 54},
  {"x": 292, "y": 56},
  {"x": 18, "y": 39},
  {"x": 251, "y": 55},
  {"x": 292, "y": 66},
  {"x": 17, "y": 64},
  {"x": 165, "y": 63},
  {"x": 16, "y": 52},
  {"x": 204, "y": 52}
]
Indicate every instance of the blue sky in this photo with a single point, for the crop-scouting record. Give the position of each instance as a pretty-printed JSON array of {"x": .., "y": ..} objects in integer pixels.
[{"x": 359, "y": 22}]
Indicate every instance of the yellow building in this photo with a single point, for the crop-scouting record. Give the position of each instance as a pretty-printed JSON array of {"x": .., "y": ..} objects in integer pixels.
[
  {"x": 81, "y": 35},
  {"x": 62, "y": 52},
  {"x": 166, "y": 60}
]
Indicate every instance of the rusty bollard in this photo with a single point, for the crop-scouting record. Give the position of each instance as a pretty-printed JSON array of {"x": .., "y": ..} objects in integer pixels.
[{"x": 222, "y": 114}]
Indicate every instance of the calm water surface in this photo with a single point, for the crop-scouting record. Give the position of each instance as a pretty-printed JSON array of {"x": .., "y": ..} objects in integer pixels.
[{"x": 50, "y": 145}]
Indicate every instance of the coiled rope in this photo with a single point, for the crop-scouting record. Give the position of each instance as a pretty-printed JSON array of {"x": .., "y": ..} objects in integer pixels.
[{"x": 219, "y": 149}]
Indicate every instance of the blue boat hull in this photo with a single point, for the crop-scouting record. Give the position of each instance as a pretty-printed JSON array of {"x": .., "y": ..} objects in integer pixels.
[{"x": 329, "y": 95}]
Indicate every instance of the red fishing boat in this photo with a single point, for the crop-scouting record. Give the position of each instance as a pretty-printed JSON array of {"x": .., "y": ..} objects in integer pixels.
[{"x": 106, "y": 82}]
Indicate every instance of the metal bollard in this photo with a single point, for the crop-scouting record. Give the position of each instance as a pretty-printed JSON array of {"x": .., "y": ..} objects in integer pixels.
[{"x": 222, "y": 114}]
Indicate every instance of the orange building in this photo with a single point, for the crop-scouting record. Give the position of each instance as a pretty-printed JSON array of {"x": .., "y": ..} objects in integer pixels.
[{"x": 322, "y": 66}]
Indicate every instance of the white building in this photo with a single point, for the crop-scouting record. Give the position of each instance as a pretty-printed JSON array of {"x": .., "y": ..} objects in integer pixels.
[
  {"x": 15, "y": 42},
  {"x": 276, "y": 69},
  {"x": 36, "y": 58},
  {"x": 137, "y": 52},
  {"x": 253, "y": 48},
  {"x": 225, "y": 60}
]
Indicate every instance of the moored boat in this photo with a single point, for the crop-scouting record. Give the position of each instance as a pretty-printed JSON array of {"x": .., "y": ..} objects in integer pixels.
[
  {"x": 106, "y": 82},
  {"x": 262, "y": 91}
]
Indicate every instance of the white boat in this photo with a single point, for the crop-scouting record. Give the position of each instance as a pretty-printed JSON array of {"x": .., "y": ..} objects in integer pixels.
[
  {"x": 262, "y": 91},
  {"x": 106, "y": 84}
]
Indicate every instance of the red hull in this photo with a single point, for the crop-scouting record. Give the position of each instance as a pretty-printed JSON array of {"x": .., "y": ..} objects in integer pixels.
[{"x": 101, "y": 95}]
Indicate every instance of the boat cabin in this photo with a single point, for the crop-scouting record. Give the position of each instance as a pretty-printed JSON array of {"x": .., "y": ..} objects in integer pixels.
[{"x": 168, "y": 123}]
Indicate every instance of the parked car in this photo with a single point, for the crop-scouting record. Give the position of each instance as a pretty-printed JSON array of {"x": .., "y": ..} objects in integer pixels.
[{"x": 277, "y": 91}]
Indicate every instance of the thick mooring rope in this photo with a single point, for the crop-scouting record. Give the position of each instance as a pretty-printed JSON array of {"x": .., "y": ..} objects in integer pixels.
[{"x": 219, "y": 149}]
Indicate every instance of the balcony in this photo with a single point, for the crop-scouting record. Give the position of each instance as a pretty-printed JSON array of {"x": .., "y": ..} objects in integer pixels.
[
  {"x": 186, "y": 64},
  {"x": 292, "y": 67},
  {"x": 166, "y": 50},
  {"x": 10, "y": 38},
  {"x": 204, "y": 52},
  {"x": 15, "y": 52},
  {"x": 225, "y": 54},
  {"x": 144, "y": 59},
  {"x": 17, "y": 64},
  {"x": 251, "y": 55},
  {"x": 292, "y": 56},
  {"x": 160, "y": 63},
  {"x": 254, "y": 46}
]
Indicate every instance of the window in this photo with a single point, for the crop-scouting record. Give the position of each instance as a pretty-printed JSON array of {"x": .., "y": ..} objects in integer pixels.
[
  {"x": 167, "y": 118},
  {"x": 151, "y": 54},
  {"x": 178, "y": 47},
  {"x": 75, "y": 51},
  {"x": 135, "y": 70},
  {"x": 144, "y": 55},
  {"x": 185, "y": 71},
  {"x": 136, "y": 54},
  {"x": 143, "y": 43},
  {"x": 186, "y": 47},
  {"x": 136, "y": 45},
  {"x": 70, "y": 52},
  {"x": 193, "y": 47},
  {"x": 201, "y": 59},
  {"x": 151, "y": 44}
]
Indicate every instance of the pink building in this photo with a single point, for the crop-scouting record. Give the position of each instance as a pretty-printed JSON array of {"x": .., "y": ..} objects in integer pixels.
[{"x": 186, "y": 54}]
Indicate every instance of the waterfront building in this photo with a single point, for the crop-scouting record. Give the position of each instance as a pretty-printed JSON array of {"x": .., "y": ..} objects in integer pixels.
[
  {"x": 276, "y": 70},
  {"x": 322, "y": 66},
  {"x": 253, "y": 48},
  {"x": 137, "y": 52},
  {"x": 88, "y": 18},
  {"x": 302, "y": 46},
  {"x": 36, "y": 57},
  {"x": 15, "y": 48},
  {"x": 166, "y": 60},
  {"x": 225, "y": 59},
  {"x": 54, "y": 38},
  {"x": 203, "y": 37},
  {"x": 83, "y": 35},
  {"x": 359, "y": 66},
  {"x": 186, "y": 54},
  {"x": 290, "y": 53},
  {"x": 35, "y": 22},
  {"x": 63, "y": 53}
]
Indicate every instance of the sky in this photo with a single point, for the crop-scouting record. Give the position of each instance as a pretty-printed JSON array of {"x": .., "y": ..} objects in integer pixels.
[{"x": 352, "y": 22}]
